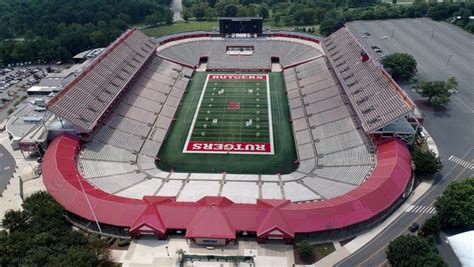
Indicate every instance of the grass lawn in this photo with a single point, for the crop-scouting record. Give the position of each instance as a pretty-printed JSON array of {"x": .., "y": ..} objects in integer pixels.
[
  {"x": 319, "y": 251},
  {"x": 282, "y": 161},
  {"x": 180, "y": 27},
  {"x": 207, "y": 26},
  {"x": 322, "y": 250}
]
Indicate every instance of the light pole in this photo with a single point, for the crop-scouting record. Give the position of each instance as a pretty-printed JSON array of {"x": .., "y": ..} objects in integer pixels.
[
  {"x": 432, "y": 34},
  {"x": 449, "y": 59},
  {"x": 167, "y": 252},
  {"x": 393, "y": 32}
]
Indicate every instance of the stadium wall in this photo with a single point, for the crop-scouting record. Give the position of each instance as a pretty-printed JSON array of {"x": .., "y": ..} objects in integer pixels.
[{"x": 220, "y": 218}]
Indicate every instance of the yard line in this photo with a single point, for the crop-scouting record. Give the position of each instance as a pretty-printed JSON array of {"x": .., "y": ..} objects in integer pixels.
[{"x": 241, "y": 122}]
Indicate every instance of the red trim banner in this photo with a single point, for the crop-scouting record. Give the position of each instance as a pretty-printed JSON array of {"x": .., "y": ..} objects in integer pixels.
[{"x": 231, "y": 147}]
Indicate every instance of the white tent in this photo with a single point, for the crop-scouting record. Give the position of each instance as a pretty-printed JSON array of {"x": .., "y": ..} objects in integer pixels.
[{"x": 463, "y": 246}]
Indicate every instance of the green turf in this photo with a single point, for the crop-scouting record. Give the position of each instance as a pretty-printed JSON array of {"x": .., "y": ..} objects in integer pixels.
[
  {"x": 216, "y": 122},
  {"x": 172, "y": 157},
  {"x": 180, "y": 27}
]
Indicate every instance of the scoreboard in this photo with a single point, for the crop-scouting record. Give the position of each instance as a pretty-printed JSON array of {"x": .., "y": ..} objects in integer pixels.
[{"x": 247, "y": 25}]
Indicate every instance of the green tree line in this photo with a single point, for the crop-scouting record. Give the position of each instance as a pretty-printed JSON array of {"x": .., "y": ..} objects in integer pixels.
[
  {"x": 57, "y": 29},
  {"x": 38, "y": 235},
  {"x": 330, "y": 14}
]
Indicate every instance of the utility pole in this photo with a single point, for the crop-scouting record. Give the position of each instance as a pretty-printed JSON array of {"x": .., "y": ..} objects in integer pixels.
[
  {"x": 393, "y": 32},
  {"x": 90, "y": 206},
  {"x": 432, "y": 34},
  {"x": 449, "y": 59}
]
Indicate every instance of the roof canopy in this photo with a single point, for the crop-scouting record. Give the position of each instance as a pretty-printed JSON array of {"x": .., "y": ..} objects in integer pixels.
[
  {"x": 89, "y": 96},
  {"x": 375, "y": 97},
  {"x": 219, "y": 217}
]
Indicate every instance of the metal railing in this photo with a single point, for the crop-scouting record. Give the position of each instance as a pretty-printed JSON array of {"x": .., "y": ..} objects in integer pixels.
[{"x": 207, "y": 258}]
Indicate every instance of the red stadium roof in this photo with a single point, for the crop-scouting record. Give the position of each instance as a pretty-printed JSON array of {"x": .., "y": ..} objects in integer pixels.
[
  {"x": 218, "y": 217},
  {"x": 210, "y": 220}
]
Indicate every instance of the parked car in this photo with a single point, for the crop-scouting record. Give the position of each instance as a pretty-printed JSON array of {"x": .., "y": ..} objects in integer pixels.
[{"x": 413, "y": 227}]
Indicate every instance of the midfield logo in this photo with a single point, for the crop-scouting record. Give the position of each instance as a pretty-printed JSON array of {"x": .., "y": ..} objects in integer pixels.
[{"x": 233, "y": 105}]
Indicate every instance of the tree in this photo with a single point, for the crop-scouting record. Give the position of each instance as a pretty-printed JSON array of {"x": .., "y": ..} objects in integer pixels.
[
  {"x": 263, "y": 11},
  {"x": 231, "y": 10},
  {"x": 431, "y": 227},
  {"x": 15, "y": 220},
  {"x": 455, "y": 207},
  {"x": 40, "y": 236},
  {"x": 402, "y": 65},
  {"x": 410, "y": 250},
  {"x": 199, "y": 10},
  {"x": 426, "y": 162},
  {"x": 431, "y": 89},
  {"x": 69, "y": 24},
  {"x": 308, "y": 16},
  {"x": 330, "y": 25},
  {"x": 439, "y": 101},
  {"x": 5, "y": 32},
  {"x": 180, "y": 252},
  {"x": 438, "y": 92},
  {"x": 186, "y": 14},
  {"x": 305, "y": 249},
  {"x": 451, "y": 83},
  {"x": 99, "y": 38}
]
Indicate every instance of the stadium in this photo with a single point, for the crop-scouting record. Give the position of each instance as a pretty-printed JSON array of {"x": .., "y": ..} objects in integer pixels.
[{"x": 220, "y": 135}]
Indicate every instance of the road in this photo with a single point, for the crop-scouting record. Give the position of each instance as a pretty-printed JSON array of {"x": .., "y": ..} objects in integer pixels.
[
  {"x": 452, "y": 129},
  {"x": 7, "y": 167},
  {"x": 373, "y": 254},
  {"x": 177, "y": 7}
]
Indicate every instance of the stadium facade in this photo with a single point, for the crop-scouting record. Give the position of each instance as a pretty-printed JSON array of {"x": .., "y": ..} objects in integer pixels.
[{"x": 349, "y": 120}]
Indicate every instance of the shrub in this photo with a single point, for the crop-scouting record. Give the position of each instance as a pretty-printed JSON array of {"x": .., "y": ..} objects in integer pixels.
[
  {"x": 123, "y": 242},
  {"x": 305, "y": 249},
  {"x": 426, "y": 162}
]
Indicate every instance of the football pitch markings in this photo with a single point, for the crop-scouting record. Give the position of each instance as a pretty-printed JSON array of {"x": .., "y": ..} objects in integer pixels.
[{"x": 233, "y": 116}]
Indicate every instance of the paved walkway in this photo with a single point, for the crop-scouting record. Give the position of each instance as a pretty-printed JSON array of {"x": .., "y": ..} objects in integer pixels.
[
  {"x": 7, "y": 167},
  {"x": 10, "y": 197},
  {"x": 147, "y": 251},
  {"x": 177, "y": 7}
]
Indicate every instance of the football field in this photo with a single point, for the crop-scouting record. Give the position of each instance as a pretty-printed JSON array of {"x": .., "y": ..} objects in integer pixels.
[
  {"x": 233, "y": 116},
  {"x": 234, "y": 128}
]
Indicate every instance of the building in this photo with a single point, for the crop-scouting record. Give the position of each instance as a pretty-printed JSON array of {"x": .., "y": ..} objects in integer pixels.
[{"x": 120, "y": 94}]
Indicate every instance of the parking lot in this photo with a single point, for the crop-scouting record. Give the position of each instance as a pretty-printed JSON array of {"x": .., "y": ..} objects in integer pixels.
[
  {"x": 14, "y": 81},
  {"x": 441, "y": 50},
  {"x": 13, "y": 76}
]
